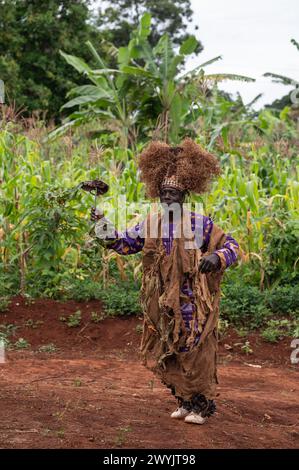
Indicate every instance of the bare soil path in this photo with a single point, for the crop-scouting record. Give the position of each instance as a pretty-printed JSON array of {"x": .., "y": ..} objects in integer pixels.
[{"x": 92, "y": 392}]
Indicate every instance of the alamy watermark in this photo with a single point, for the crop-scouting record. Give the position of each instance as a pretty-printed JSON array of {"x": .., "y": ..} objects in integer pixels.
[
  {"x": 119, "y": 215},
  {"x": 295, "y": 353},
  {"x": 2, "y": 92},
  {"x": 2, "y": 351}
]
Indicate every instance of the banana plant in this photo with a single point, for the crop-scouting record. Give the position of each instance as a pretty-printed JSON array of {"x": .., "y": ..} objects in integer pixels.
[
  {"x": 157, "y": 70},
  {"x": 145, "y": 94},
  {"x": 103, "y": 99},
  {"x": 282, "y": 78}
]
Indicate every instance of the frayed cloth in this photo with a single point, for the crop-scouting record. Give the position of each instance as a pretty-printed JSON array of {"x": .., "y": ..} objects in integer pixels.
[{"x": 195, "y": 371}]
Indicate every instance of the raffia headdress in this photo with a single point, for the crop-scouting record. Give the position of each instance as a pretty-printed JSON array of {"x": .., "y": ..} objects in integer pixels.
[{"x": 185, "y": 167}]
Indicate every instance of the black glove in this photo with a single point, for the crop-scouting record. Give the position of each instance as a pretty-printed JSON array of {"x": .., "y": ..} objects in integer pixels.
[{"x": 210, "y": 263}]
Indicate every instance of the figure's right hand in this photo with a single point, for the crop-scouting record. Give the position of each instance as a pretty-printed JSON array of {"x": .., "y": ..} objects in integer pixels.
[{"x": 95, "y": 214}]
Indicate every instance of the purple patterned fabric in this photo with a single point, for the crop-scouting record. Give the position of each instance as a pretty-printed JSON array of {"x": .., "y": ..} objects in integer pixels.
[{"x": 131, "y": 242}]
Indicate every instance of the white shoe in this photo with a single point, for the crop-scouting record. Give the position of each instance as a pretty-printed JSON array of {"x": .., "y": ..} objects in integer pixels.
[
  {"x": 180, "y": 412},
  {"x": 195, "y": 418}
]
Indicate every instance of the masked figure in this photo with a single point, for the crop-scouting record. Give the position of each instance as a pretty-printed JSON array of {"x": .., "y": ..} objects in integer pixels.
[{"x": 184, "y": 256}]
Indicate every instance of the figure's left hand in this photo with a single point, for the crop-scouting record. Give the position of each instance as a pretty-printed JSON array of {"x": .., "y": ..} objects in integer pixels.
[{"x": 210, "y": 263}]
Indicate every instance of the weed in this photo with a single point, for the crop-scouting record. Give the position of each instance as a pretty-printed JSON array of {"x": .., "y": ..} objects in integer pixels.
[
  {"x": 96, "y": 318},
  {"x": 122, "y": 434},
  {"x": 33, "y": 324},
  {"x": 77, "y": 382},
  {"x": 60, "y": 433},
  {"x": 21, "y": 343},
  {"x": 9, "y": 329},
  {"x": 47, "y": 348},
  {"x": 295, "y": 332},
  {"x": 246, "y": 348},
  {"x": 73, "y": 320},
  {"x": 29, "y": 300}
]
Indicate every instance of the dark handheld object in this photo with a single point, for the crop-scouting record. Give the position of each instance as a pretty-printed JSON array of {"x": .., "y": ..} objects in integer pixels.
[{"x": 97, "y": 187}]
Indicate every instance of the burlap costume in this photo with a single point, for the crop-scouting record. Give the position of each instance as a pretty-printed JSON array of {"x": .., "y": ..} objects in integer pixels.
[
  {"x": 168, "y": 332},
  {"x": 194, "y": 371}
]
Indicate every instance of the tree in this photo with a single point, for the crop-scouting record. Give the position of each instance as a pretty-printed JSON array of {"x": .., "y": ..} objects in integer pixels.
[
  {"x": 120, "y": 18},
  {"x": 31, "y": 34}
]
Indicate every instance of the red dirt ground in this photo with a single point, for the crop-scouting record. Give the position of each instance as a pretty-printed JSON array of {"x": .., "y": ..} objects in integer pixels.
[{"x": 92, "y": 391}]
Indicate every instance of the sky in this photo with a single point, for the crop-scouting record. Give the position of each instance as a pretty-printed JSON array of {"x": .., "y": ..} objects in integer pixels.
[{"x": 253, "y": 37}]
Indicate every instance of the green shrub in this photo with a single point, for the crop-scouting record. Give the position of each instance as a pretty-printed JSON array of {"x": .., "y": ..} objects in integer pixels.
[
  {"x": 276, "y": 330},
  {"x": 246, "y": 274},
  {"x": 282, "y": 249},
  {"x": 121, "y": 299},
  {"x": 283, "y": 300},
  {"x": 9, "y": 281},
  {"x": 244, "y": 305},
  {"x": 83, "y": 290}
]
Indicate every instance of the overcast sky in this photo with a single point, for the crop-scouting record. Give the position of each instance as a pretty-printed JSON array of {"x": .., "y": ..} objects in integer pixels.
[{"x": 253, "y": 37}]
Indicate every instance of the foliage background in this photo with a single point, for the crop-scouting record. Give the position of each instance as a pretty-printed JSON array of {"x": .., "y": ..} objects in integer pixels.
[{"x": 119, "y": 96}]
